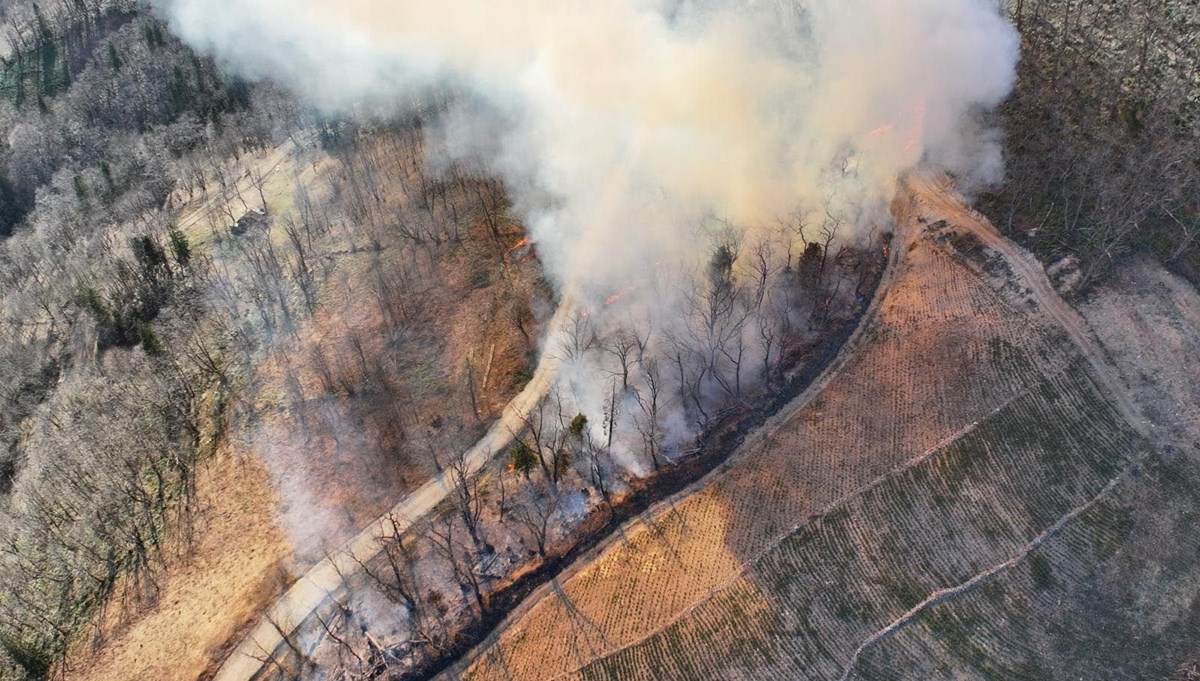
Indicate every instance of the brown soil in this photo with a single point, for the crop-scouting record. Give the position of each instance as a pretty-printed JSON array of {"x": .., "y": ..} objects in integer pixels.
[
  {"x": 1148, "y": 322},
  {"x": 323, "y": 462},
  {"x": 341, "y": 454},
  {"x": 235, "y": 565}
]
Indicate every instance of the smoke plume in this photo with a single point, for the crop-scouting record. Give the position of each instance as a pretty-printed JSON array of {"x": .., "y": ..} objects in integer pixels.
[
  {"x": 623, "y": 127},
  {"x": 619, "y": 123}
]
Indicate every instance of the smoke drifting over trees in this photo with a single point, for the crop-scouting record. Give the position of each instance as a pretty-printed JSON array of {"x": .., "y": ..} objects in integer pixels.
[
  {"x": 619, "y": 125},
  {"x": 642, "y": 139}
]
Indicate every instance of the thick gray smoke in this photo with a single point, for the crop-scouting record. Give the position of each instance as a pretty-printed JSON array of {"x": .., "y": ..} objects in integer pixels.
[{"x": 622, "y": 126}]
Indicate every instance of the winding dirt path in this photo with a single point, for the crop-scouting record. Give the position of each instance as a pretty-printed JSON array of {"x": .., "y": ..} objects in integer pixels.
[
  {"x": 902, "y": 237},
  {"x": 926, "y": 194},
  {"x": 949, "y": 593},
  {"x": 326, "y": 579}
]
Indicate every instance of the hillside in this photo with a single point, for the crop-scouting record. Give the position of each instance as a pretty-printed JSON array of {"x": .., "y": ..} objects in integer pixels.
[
  {"x": 1106, "y": 108},
  {"x": 981, "y": 527},
  {"x": 348, "y": 340},
  {"x": 192, "y": 411}
]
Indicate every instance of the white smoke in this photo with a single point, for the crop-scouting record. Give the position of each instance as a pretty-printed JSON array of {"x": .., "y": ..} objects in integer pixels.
[
  {"x": 621, "y": 125},
  {"x": 633, "y": 117}
]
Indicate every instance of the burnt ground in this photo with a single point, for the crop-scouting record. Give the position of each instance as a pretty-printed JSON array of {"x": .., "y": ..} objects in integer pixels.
[
  {"x": 1031, "y": 505},
  {"x": 714, "y": 450}
]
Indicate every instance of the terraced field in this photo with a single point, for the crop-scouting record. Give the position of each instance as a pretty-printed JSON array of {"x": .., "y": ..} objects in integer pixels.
[
  {"x": 830, "y": 595},
  {"x": 1111, "y": 594},
  {"x": 965, "y": 464}
]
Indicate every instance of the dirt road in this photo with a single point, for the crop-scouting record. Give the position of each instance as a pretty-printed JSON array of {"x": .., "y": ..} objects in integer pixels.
[
  {"x": 927, "y": 192},
  {"x": 934, "y": 191},
  {"x": 324, "y": 580},
  {"x": 922, "y": 198},
  {"x": 753, "y": 443}
]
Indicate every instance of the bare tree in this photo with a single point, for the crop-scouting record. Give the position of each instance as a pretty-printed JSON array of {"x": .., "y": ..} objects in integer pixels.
[
  {"x": 764, "y": 267},
  {"x": 398, "y": 578},
  {"x": 444, "y": 539},
  {"x": 468, "y": 497},
  {"x": 649, "y": 399},
  {"x": 623, "y": 344},
  {"x": 580, "y": 337},
  {"x": 258, "y": 178},
  {"x": 546, "y": 435},
  {"x": 598, "y": 462},
  {"x": 536, "y": 513}
]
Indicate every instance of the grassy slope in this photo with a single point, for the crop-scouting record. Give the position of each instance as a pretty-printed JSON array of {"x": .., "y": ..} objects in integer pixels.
[
  {"x": 1045, "y": 543},
  {"x": 836, "y": 582},
  {"x": 945, "y": 351},
  {"x": 1110, "y": 596}
]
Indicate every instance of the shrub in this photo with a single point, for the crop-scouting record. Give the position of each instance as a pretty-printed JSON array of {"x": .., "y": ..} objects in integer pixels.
[
  {"x": 180, "y": 248},
  {"x": 577, "y": 425},
  {"x": 480, "y": 279},
  {"x": 22, "y": 659},
  {"x": 1040, "y": 570},
  {"x": 562, "y": 461},
  {"x": 522, "y": 459}
]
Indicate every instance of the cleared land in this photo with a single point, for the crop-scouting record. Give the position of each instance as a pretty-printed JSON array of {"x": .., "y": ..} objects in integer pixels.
[
  {"x": 318, "y": 586},
  {"x": 1148, "y": 322},
  {"x": 957, "y": 502}
]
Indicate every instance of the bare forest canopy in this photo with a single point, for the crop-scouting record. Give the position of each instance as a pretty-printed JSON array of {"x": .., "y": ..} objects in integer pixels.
[
  {"x": 1103, "y": 133},
  {"x": 153, "y": 250},
  {"x": 655, "y": 150},
  {"x": 169, "y": 213},
  {"x": 81, "y": 79}
]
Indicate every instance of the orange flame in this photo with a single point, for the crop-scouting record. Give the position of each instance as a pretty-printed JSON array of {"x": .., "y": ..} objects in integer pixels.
[
  {"x": 519, "y": 245},
  {"x": 914, "y": 132},
  {"x": 619, "y": 294},
  {"x": 886, "y": 127},
  {"x": 584, "y": 313}
]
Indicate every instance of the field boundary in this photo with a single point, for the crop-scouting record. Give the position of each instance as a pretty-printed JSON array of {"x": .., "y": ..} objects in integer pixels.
[
  {"x": 1028, "y": 270},
  {"x": 923, "y": 193},
  {"x": 812, "y": 518}
]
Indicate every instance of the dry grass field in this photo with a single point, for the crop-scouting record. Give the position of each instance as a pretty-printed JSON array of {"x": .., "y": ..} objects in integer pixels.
[
  {"x": 965, "y": 499},
  {"x": 232, "y": 572}
]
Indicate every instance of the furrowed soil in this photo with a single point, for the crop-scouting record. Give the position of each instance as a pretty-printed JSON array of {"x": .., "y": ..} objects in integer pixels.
[{"x": 971, "y": 496}]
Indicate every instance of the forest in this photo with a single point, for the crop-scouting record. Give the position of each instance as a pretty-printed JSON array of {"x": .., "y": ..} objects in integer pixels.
[{"x": 190, "y": 259}]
